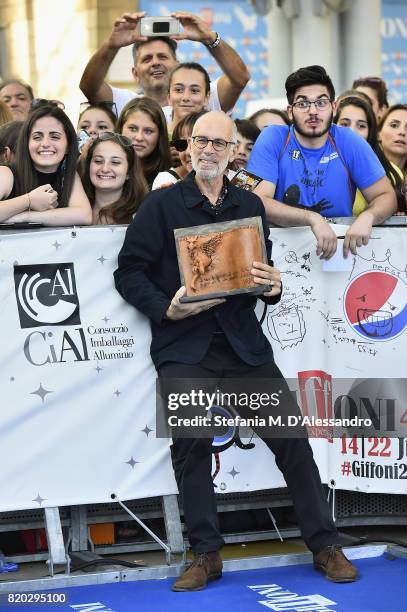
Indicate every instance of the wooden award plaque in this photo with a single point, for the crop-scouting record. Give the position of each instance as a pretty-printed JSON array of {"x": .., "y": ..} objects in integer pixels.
[{"x": 215, "y": 259}]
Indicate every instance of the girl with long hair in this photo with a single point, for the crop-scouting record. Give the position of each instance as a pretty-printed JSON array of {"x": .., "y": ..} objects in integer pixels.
[
  {"x": 42, "y": 185},
  {"x": 142, "y": 120},
  {"x": 393, "y": 135},
  {"x": 357, "y": 114},
  {"x": 113, "y": 179},
  {"x": 8, "y": 140},
  {"x": 189, "y": 91}
]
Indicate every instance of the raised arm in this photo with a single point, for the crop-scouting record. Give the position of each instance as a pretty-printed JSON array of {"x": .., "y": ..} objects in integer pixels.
[
  {"x": 289, "y": 216},
  {"x": 235, "y": 73},
  {"x": 93, "y": 84}
]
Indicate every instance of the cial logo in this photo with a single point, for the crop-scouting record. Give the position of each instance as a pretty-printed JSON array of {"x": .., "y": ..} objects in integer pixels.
[
  {"x": 46, "y": 295},
  {"x": 375, "y": 305}
]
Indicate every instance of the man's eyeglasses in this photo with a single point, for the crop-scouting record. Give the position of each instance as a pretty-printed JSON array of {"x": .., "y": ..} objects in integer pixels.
[
  {"x": 43, "y": 102},
  {"x": 105, "y": 104},
  {"x": 180, "y": 145},
  {"x": 305, "y": 105},
  {"x": 123, "y": 140},
  {"x": 218, "y": 143}
]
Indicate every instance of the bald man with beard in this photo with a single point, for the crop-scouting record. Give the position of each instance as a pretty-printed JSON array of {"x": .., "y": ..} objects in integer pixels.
[{"x": 216, "y": 339}]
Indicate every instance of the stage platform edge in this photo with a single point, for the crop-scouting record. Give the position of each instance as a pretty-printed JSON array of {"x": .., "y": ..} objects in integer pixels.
[{"x": 161, "y": 572}]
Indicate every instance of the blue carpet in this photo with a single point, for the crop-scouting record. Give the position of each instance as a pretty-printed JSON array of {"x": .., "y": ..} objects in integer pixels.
[{"x": 382, "y": 587}]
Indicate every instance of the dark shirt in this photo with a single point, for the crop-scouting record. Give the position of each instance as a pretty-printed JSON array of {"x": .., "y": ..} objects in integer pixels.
[
  {"x": 43, "y": 178},
  {"x": 148, "y": 276}
]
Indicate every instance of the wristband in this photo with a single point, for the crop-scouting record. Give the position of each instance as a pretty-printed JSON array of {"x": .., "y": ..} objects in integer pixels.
[{"x": 215, "y": 43}]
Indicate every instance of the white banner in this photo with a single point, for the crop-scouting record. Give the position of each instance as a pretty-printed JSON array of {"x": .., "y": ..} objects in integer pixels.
[
  {"x": 345, "y": 319},
  {"x": 77, "y": 417}
]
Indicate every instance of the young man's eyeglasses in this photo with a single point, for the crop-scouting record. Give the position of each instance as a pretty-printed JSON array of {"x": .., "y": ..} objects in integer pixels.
[
  {"x": 305, "y": 105},
  {"x": 218, "y": 143},
  {"x": 180, "y": 145}
]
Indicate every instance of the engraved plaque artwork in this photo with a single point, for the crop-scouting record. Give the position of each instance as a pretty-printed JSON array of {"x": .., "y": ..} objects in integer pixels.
[{"x": 215, "y": 259}]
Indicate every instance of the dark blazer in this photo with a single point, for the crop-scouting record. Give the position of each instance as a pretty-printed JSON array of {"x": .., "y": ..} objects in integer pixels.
[{"x": 148, "y": 277}]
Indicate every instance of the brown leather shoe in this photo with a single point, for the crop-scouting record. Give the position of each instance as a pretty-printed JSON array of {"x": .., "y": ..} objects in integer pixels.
[
  {"x": 205, "y": 567},
  {"x": 335, "y": 565}
]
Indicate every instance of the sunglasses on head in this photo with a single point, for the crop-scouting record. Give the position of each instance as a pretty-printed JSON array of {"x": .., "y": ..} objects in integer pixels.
[
  {"x": 123, "y": 140},
  {"x": 105, "y": 104},
  {"x": 367, "y": 80},
  {"x": 180, "y": 145},
  {"x": 44, "y": 102}
]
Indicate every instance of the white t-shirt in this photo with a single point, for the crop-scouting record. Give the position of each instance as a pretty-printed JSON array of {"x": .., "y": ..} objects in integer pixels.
[
  {"x": 122, "y": 96},
  {"x": 163, "y": 178}
]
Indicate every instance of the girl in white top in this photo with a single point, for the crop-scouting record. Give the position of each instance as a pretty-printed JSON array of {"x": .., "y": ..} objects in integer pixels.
[{"x": 189, "y": 91}]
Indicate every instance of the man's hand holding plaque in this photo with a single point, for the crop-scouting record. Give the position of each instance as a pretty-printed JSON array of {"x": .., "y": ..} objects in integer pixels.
[
  {"x": 181, "y": 310},
  {"x": 264, "y": 274}
]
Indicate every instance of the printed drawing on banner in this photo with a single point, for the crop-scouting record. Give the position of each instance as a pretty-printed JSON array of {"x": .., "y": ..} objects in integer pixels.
[
  {"x": 375, "y": 300},
  {"x": 372, "y": 308},
  {"x": 287, "y": 326},
  {"x": 46, "y": 295},
  {"x": 286, "y": 323}
]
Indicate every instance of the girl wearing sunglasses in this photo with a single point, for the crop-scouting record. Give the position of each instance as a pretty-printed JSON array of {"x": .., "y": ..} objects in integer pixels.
[
  {"x": 42, "y": 185},
  {"x": 113, "y": 179},
  {"x": 182, "y": 131}
]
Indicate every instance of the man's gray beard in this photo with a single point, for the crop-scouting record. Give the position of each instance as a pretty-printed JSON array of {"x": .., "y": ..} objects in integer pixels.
[
  {"x": 209, "y": 174},
  {"x": 313, "y": 134}
]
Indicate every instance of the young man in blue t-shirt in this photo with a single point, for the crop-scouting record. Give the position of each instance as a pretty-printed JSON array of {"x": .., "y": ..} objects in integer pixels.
[{"x": 312, "y": 169}]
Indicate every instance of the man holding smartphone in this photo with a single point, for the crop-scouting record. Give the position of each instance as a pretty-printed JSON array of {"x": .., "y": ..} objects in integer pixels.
[{"x": 154, "y": 59}]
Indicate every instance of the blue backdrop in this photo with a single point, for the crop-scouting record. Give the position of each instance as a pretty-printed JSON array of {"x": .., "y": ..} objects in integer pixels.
[{"x": 394, "y": 48}]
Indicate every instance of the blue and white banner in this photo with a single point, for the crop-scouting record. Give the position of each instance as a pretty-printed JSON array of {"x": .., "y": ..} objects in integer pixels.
[{"x": 77, "y": 416}]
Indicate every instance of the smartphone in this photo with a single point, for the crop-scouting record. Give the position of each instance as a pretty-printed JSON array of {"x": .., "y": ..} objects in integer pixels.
[
  {"x": 159, "y": 26},
  {"x": 83, "y": 137}
]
